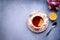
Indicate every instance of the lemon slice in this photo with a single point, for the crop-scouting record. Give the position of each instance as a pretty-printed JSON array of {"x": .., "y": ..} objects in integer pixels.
[
  {"x": 53, "y": 16},
  {"x": 40, "y": 22}
]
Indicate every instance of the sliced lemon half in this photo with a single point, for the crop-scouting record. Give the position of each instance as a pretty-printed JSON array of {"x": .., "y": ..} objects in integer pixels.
[{"x": 53, "y": 16}]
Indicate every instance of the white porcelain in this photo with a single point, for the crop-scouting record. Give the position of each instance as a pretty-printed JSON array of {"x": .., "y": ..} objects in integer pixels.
[{"x": 34, "y": 28}]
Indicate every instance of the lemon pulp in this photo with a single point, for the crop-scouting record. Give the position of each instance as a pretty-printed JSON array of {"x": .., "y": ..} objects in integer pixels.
[{"x": 53, "y": 16}]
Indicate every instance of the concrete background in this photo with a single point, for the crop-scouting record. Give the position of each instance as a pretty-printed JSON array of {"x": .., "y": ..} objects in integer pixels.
[{"x": 13, "y": 15}]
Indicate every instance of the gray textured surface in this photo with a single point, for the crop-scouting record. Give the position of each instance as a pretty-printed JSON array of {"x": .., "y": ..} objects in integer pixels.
[{"x": 13, "y": 15}]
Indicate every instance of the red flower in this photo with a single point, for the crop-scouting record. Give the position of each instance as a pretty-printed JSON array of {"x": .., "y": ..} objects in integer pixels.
[{"x": 53, "y": 3}]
